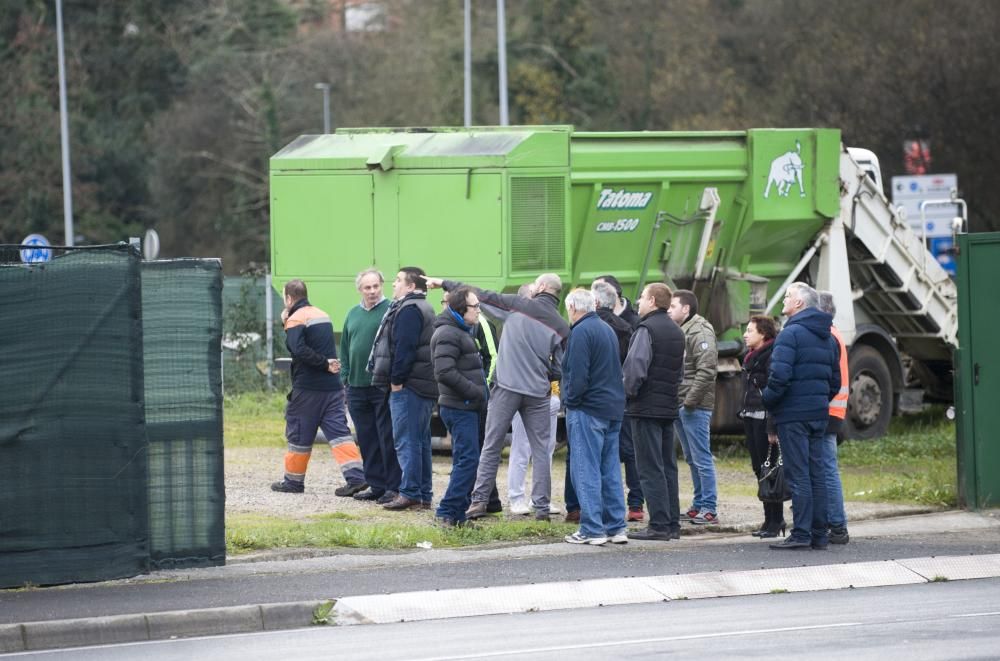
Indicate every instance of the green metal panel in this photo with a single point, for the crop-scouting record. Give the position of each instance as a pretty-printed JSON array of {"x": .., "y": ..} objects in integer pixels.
[
  {"x": 451, "y": 223},
  {"x": 978, "y": 377},
  {"x": 322, "y": 231}
]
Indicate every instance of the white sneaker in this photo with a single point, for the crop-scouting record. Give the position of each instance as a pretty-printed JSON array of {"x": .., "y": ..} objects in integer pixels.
[
  {"x": 554, "y": 509},
  {"x": 519, "y": 506},
  {"x": 620, "y": 537},
  {"x": 578, "y": 538}
]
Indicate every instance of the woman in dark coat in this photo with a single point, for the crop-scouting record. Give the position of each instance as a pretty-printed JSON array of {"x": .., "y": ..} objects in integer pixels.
[{"x": 759, "y": 338}]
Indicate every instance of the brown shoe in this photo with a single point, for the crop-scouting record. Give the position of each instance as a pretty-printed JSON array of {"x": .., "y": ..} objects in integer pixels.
[
  {"x": 476, "y": 511},
  {"x": 425, "y": 504},
  {"x": 572, "y": 517},
  {"x": 401, "y": 502}
]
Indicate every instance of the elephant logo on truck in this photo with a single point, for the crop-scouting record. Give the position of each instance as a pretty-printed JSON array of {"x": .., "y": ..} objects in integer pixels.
[{"x": 785, "y": 171}]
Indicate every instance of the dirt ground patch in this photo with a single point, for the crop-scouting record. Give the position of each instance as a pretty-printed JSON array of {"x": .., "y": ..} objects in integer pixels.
[{"x": 250, "y": 471}]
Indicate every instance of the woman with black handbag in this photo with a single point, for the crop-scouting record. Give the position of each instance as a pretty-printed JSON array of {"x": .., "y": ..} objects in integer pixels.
[{"x": 759, "y": 339}]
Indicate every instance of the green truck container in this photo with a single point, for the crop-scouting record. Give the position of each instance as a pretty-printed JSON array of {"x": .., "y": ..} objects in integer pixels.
[{"x": 734, "y": 216}]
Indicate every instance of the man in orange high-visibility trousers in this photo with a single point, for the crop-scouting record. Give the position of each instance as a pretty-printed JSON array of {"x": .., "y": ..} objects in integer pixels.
[
  {"x": 317, "y": 398},
  {"x": 836, "y": 516}
]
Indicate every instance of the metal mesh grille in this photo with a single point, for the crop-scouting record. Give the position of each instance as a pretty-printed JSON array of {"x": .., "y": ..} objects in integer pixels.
[{"x": 538, "y": 227}]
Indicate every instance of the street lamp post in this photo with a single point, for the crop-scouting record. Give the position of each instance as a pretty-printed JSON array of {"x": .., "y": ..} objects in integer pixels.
[
  {"x": 64, "y": 131},
  {"x": 467, "y": 60},
  {"x": 502, "y": 61},
  {"x": 326, "y": 105}
]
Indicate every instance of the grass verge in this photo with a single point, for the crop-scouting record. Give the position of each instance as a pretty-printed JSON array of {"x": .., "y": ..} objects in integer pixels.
[{"x": 246, "y": 532}]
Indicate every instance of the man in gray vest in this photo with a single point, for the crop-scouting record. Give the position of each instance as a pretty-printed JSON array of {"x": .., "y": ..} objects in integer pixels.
[{"x": 401, "y": 361}]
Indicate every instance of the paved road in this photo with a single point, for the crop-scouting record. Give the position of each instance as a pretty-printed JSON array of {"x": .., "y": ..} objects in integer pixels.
[
  {"x": 955, "y": 620},
  {"x": 341, "y": 576}
]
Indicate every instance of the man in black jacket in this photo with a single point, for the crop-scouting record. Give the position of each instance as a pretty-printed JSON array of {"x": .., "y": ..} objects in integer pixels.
[
  {"x": 401, "y": 361},
  {"x": 652, "y": 372},
  {"x": 458, "y": 368}
]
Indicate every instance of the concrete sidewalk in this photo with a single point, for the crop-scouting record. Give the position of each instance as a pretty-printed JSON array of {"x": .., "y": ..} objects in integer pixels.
[{"x": 377, "y": 587}]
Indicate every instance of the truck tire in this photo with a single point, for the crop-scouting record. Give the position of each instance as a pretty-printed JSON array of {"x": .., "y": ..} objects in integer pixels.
[{"x": 869, "y": 406}]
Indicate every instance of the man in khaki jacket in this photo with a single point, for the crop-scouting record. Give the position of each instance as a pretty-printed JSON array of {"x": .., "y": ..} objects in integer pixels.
[{"x": 697, "y": 395}]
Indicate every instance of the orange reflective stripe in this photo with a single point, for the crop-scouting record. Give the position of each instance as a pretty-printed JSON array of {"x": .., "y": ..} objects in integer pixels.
[
  {"x": 296, "y": 462},
  {"x": 344, "y": 453},
  {"x": 838, "y": 407}
]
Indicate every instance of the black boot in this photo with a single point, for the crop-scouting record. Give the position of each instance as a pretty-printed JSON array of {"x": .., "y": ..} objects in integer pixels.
[
  {"x": 775, "y": 520},
  {"x": 767, "y": 520}
]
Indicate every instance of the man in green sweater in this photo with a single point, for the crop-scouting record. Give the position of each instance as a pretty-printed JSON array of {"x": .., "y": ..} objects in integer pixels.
[{"x": 369, "y": 406}]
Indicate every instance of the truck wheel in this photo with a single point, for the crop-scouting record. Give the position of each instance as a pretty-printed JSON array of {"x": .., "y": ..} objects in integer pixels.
[{"x": 869, "y": 406}]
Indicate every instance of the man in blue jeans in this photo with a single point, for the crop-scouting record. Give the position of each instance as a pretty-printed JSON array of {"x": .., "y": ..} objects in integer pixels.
[
  {"x": 803, "y": 380},
  {"x": 595, "y": 401},
  {"x": 697, "y": 395},
  {"x": 458, "y": 368},
  {"x": 401, "y": 361}
]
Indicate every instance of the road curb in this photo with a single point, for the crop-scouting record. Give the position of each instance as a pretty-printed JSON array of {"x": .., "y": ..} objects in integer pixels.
[
  {"x": 116, "y": 629},
  {"x": 469, "y": 602}
]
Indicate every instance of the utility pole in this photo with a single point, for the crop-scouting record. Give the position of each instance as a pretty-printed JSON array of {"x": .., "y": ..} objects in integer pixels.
[
  {"x": 325, "y": 87},
  {"x": 468, "y": 62},
  {"x": 502, "y": 59},
  {"x": 64, "y": 131}
]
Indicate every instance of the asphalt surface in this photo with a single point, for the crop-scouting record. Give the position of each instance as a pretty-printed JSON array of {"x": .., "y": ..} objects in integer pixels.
[
  {"x": 958, "y": 620},
  {"x": 339, "y": 576}
]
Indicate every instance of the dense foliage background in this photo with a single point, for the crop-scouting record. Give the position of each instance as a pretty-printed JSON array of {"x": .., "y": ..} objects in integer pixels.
[{"x": 175, "y": 106}]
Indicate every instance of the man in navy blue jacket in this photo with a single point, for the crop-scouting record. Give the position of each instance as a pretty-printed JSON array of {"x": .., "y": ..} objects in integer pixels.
[
  {"x": 594, "y": 396},
  {"x": 804, "y": 378}
]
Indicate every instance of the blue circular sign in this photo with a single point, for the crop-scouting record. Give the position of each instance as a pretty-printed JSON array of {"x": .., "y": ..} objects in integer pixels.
[{"x": 36, "y": 249}]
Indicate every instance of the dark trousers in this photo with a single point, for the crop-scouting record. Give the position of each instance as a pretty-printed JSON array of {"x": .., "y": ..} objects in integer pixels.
[
  {"x": 656, "y": 459},
  {"x": 758, "y": 447},
  {"x": 569, "y": 492},
  {"x": 803, "y": 452},
  {"x": 626, "y": 454},
  {"x": 369, "y": 407},
  {"x": 756, "y": 440}
]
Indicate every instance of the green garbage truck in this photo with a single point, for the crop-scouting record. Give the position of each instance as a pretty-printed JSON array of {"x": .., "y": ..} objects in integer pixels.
[{"x": 735, "y": 216}]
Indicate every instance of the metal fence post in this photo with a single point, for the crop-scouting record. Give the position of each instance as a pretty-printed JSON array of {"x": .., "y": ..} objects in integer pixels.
[{"x": 269, "y": 334}]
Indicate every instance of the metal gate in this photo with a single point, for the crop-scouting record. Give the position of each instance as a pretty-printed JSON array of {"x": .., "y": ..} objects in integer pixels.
[{"x": 977, "y": 379}]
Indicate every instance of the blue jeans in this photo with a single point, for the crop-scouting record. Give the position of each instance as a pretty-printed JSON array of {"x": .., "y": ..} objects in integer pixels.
[
  {"x": 835, "y": 512},
  {"x": 692, "y": 427},
  {"x": 369, "y": 407},
  {"x": 464, "y": 429},
  {"x": 804, "y": 453},
  {"x": 597, "y": 473},
  {"x": 411, "y": 428}
]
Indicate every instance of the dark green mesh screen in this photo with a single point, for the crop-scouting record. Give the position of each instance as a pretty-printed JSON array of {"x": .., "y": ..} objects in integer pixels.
[
  {"x": 182, "y": 330},
  {"x": 73, "y": 497}
]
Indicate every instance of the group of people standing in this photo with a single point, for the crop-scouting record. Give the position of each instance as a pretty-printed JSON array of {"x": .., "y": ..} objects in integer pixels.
[{"x": 629, "y": 383}]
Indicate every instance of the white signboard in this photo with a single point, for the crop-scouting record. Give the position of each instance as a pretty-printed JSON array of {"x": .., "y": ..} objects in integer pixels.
[{"x": 909, "y": 191}]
